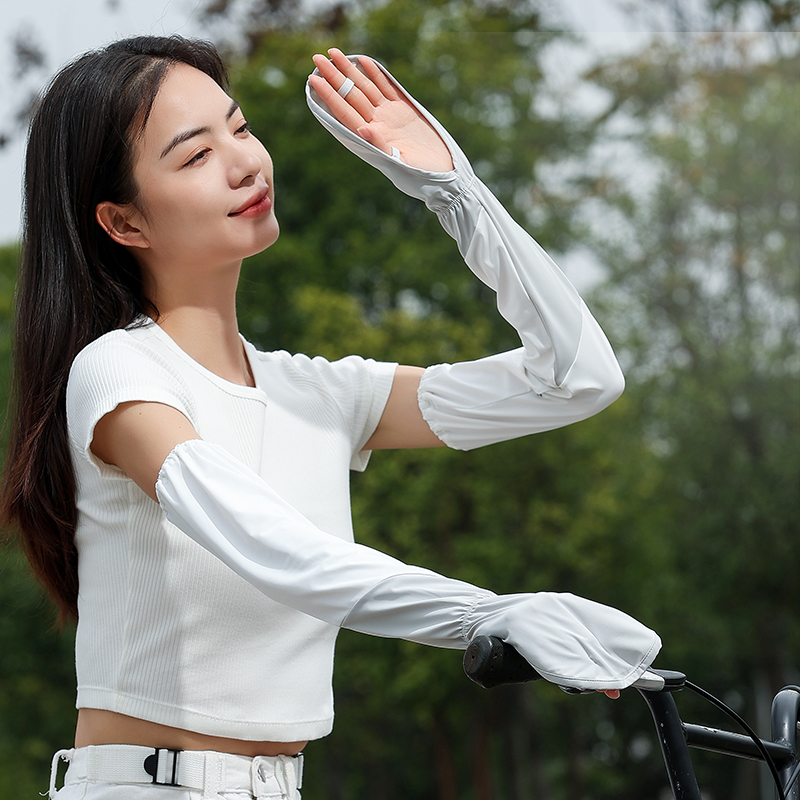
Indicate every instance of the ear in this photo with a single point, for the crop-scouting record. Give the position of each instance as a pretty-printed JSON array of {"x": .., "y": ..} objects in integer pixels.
[{"x": 121, "y": 223}]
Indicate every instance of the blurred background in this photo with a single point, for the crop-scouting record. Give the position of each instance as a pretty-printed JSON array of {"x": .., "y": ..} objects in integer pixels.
[{"x": 654, "y": 148}]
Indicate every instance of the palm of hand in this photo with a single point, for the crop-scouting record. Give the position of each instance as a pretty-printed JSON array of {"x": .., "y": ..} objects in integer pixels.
[{"x": 376, "y": 111}]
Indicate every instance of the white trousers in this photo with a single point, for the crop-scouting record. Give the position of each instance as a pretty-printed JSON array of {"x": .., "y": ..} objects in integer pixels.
[{"x": 120, "y": 772}]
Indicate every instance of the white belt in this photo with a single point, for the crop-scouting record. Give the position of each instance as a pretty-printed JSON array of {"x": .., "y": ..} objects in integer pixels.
[{"x": 207, "y": 771}]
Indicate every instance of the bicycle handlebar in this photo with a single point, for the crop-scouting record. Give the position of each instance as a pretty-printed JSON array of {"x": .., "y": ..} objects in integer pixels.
[{"x": 491, "y": 662}]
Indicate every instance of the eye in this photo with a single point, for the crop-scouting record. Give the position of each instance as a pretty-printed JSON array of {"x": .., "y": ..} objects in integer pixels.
[
  {"x": 245, "y": 128},
  {"x": 197, "y": 158}
]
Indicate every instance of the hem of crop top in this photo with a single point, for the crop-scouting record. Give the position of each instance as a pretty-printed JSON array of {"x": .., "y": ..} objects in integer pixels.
[{"x": 198, "y": 722}]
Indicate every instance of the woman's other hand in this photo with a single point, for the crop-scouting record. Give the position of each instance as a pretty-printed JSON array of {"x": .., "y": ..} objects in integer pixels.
[{"x": 374, "y": 110}]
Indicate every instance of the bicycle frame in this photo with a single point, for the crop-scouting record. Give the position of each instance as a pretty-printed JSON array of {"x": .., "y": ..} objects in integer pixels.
[
  {"x": 490, "y": 662},
  {"x": 676, "y": 737},
  {"x": 785, "y": 724}
]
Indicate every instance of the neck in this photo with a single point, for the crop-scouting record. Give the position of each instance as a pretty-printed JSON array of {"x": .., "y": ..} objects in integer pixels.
[{"x": 200, "y": 317}]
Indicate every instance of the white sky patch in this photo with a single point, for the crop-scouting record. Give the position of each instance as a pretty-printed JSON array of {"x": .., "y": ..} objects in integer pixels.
[{"x": 64, "y": 30}]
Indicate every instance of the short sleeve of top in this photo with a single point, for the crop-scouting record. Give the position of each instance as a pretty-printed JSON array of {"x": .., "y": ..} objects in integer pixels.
[
  {"x": 358, "y": 387},
  {"x": 115, "y": 369},
  {"x": 145, "y": 364}
]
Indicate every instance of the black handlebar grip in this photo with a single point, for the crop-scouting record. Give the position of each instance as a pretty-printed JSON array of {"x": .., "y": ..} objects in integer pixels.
[{"x": 491, "y": 662}]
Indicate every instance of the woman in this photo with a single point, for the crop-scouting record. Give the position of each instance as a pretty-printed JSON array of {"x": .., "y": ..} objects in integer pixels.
[{"x": 182, "y": 495}]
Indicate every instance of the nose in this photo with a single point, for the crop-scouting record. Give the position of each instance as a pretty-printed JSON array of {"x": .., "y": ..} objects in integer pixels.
[{"x": 244, "y": 163}]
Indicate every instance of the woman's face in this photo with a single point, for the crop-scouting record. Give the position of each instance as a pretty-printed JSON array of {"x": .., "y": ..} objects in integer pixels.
[{"x": 205, "y": 182}]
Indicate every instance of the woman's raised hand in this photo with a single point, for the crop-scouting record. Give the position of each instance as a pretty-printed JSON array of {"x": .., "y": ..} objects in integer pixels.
[{"x": 374, "y": 110}]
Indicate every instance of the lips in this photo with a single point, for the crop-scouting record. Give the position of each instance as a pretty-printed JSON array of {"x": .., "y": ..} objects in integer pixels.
[{"x": 256, "y": 204}]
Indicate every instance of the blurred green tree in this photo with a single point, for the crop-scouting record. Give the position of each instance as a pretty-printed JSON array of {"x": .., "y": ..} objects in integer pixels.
[
  {"x": 718, "y": 15},
  {"x": 37, "y": 674},
  {"x": 702, "y": 245}
]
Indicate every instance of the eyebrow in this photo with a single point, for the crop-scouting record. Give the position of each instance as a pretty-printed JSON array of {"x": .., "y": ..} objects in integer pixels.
[{"x": 190, "y": 134}]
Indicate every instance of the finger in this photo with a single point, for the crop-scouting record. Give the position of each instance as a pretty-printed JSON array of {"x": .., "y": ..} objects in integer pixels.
[
  {"x": 349, "y": 70},
  {"x": 346, "y": 114},
  {"x": 336, "y": 79},
  {"x": 374, "y": 138},
  {"x": 338, "y": 106},
  {"x": 328, "y": 71},
  {"x": 339, "y": 69},
  {"x": 378, "y": 77}
]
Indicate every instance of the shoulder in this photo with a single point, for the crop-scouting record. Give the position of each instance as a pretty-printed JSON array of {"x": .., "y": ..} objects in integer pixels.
[
  {"x": 348, "y": 374},
  {"x": 119, "y": 349},
  {"x": 123, "y": 366},
  {"x": 130, "y": 353}
]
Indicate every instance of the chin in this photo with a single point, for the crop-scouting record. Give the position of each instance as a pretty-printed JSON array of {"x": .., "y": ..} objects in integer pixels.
[{"x": 267, "y": 240}]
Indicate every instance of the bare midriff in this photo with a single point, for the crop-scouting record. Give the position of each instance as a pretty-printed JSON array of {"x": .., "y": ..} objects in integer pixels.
[{"x": 107, "y": 727}]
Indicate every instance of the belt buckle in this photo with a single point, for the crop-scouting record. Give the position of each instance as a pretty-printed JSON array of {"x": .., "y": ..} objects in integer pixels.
[{"x": 163, "y": 762}]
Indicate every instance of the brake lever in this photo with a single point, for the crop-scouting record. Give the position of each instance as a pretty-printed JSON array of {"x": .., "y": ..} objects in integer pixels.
[{"x": 649, "y": 681}]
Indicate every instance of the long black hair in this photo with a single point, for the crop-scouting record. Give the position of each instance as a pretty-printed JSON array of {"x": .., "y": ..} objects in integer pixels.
[{"x": 75, "y": 283}]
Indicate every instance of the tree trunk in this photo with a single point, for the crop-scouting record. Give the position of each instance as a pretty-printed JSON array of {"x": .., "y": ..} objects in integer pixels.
[{"x": 445, "y": 768}]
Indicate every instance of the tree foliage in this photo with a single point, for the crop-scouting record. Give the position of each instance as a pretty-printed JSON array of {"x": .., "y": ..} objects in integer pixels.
[
  {"x": 686, "y": 16},
  {"x": 705, "y": 291},
  {"x": 37, "y": 674}
]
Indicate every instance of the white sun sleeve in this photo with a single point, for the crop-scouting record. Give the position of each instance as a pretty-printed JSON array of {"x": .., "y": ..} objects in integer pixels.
[
  {"x": 228, "y": 509},
  {"x": 565, "y": 369}
]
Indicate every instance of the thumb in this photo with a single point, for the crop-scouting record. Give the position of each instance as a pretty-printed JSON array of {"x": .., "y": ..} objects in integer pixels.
[{"x": 373, "y": 138}]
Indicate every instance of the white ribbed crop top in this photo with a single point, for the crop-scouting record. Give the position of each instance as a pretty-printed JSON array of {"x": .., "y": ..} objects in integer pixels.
[{"x": 166, "y": 632}]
